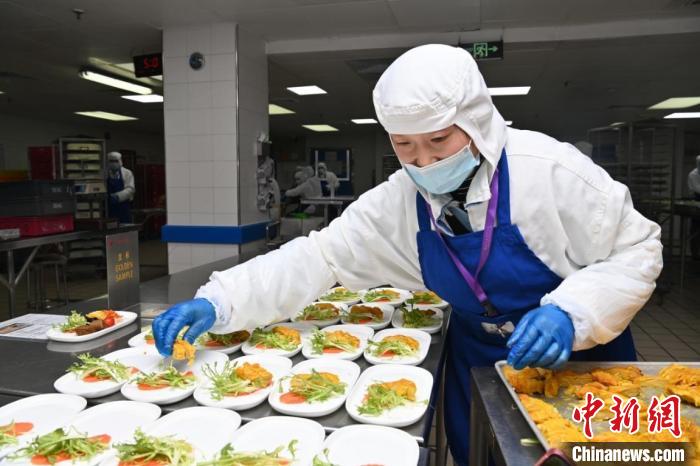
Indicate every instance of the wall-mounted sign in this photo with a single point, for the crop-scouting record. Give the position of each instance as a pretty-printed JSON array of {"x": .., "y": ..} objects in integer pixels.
[
  {"x": 148, "y": 65},
  {"x": 123, "y": 269},
  {"x": 492, "y": 50}
]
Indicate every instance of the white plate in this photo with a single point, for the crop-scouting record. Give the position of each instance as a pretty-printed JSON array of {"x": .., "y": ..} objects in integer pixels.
[
  {"x": 397, "y": 417},
  {"x": 347, "y": 371},
  {"x": 387, "y": 309},
  {"x": 70, "y": 337},
  {"x": 324, "y": 323},
  {"x": 277, "y": 365},
  {"x": 118, "y": 419},
  {"x": 208, "y": 430},
  {"x": 404, "y": 295},
  {"x": 140, "y": 340},
  {"x": 379, "y": 445},
  {"x": 143, "y": 359},
  {"x": 271, "y": 432},
  {"x": 221, "y": 349},
  {"x": 441, "y": 305},
  {"x": 423, "y": 338},
  {"x": 47, "y": 412},
  {"x": 397, "y": 320},
  {"x": 169, "y": 395},
  {"x": 347, "y": 302},
  {"x": 362, "y": 332},
  {"x": 304, "y": 328}
]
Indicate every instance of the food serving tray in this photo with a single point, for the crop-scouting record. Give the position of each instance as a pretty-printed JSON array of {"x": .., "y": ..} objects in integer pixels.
[{"x": 565, "y": 405}]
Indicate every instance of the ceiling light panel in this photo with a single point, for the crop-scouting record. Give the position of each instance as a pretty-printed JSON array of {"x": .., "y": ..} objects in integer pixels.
[{"x": 106, "y": 115}]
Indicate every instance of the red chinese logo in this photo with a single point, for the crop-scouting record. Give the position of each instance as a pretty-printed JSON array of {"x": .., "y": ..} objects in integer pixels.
[
  {"x": 626, "y": 415},
  {"x": 587, "y": 412},
  {"x": 665, "y": 415}
]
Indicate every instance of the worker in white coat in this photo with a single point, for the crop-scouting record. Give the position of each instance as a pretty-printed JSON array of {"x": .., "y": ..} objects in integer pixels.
[
  {"x": 328, "y": 177},
  {"x": 694, "y": 185},
  {"x": 120, "y": 188},
  {"x": 307, "y": 186},
  {"x": 540, "y": 252}
]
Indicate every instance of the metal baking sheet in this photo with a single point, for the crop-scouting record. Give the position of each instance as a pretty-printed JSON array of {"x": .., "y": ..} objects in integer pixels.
[{"x": 566, "y": 405}]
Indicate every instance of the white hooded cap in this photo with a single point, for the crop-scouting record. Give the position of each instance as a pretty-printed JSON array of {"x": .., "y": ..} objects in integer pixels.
[
  {"x": 114, "y": 156},
  {"x": 435, "y": 86}
]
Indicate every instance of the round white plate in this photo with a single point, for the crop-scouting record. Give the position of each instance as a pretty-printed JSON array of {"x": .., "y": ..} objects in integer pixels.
[
  {"x": 347, "y": 302},
  {"x": 325, "y": 323},
  {"x": 404, "y": 295},
  {"x": 221, "y": 349},
  {"x": 208, "y": 430},
  {"x": 423, "y": 338},
  {"x": 387, "y": 309},
  {"x": 397, "y": 320},
  {"x": 70, "y": 337},
  {"x": 47, "y": 412},
  {"x": 304, "y": 328},
  {"x": 362, "y": 332},
  {"x": 380, "y": 445},
  {"x": 169, "y": 395},
  {"x": 278, "y": 366},
  {"x": 397, "y": 417},
  {"x": 347, "y": 371},
  {"x": 441, "y": 305},
  {"x": 140, "y": 340},
  {"x": 271, "y": 432},
  {"x": 143, "y": 359}
]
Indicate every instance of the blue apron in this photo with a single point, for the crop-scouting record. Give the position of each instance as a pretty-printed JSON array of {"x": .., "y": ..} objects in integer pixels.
[
  {"x": 515, "y": 281},
  {"x": 116, "y": 209}
]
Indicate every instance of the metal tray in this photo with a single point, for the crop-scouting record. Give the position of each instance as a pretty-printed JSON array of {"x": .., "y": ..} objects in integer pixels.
[{"x": 565, "y": 405}]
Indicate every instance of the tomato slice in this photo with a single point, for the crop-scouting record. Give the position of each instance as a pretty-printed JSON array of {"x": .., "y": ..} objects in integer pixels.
[
  {"x": 332, "y": 350},
  {"x": 292, "y": 398}
]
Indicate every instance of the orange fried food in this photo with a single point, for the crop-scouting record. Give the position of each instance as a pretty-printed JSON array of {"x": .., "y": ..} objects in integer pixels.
[
  {"x": 404, "y": 387},
  {"x": 528, "y": 381},
  {"x": 689, "y": 394},
  {"x": 297, "y": 382},
  {"x": 539, "y": 410},
  {"x": 341, "y": 337},
  {"x": 360, "y": 309},
  {"x": 551, "y": 385},
  {"x": 677, "y": 374},
  {"x": 288, "y": 332},
  {"x": 182, "y": 349},
  {"x": 255, "y": 373},
  {"x": 411, "y": 342}
]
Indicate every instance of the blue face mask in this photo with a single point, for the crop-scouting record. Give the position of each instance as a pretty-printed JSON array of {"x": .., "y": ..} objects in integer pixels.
[{"x": 446, "y": 175}]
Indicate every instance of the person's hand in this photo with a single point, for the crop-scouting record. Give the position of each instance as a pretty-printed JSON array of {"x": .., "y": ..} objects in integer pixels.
[
  {"x": 543, "y": 338},
  {"x": 197, "y": 313},
  {"x": 113, "y": 197}
]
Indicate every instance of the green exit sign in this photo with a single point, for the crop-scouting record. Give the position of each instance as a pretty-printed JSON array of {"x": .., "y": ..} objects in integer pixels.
[{"x": 492, "y": 50}]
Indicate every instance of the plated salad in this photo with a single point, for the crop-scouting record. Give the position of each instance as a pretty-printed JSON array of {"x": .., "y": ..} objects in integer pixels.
[
  {"x": 340, "y": 294},
  {"x": 228, "y": 456},
  {"x": 361, "y": 314},
  {"x": 424, "y": 297},
  {"x": 10, "y": 432},
  {"x": 280, "y": 337},
  {"x": 90, "y": 323},
  {"x": 166, "y": 378},
  {"x": 318, "y": 311},
  {"x": 62, "y": 445},
  {"x": 237, "y": 379},
  {"x": 92, "y": 369},
  {"x": 216, "y": 340},
  {"x": 419, "y": 318},
  {"x": 384, "y": 396},
  {"x": 336, "y": 341},
  {"x": 381, "y": 295},
  {"x": 313, "y": 387},
  {"x": 148, "y": 450},
  {"x": 394, "y": 345}
]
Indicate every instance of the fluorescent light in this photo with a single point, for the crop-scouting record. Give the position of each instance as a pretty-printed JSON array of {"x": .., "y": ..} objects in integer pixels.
[
  {"x": 106, "y": 115},
  {"x": 617, "y": 123},
  {"x": 676, "y": 102},
  {"x": 114, "y": 82},
  {"x": 509, "y": 122},
  {"x": 320, "y": 128},
  {"x": 364, "y": 121},
  {"x": 683, "y": 115},
  {"x": 144, "y": 99},
  {"x": 306, "y": 90},
  {"x": 518, "y": 90},
  {"x": 1, "y": 92},
  {"x": 274, "y": 109}
]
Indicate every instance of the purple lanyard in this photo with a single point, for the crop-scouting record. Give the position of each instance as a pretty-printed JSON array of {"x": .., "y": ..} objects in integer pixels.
[{"x": 472, "y": 280}]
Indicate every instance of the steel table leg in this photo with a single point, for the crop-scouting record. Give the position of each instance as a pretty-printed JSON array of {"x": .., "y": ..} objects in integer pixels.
[
  {"x": 478, "y": 431},
  {"x": 440, "y": 440}
]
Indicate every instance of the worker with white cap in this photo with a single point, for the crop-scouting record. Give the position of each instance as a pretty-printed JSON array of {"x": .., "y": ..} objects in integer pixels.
[
  {"x": 328, "y": 177},
  {"x": 120, "y": 187},
  {"x": 307, "y": 185},
  {"x": 539, "y": 251}
]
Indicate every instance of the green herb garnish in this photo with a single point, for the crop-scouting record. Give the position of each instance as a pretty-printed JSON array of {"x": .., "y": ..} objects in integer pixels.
[
  {"x": 166, "y": 450},
  {"x": 391, "y": 347},
  {"x": 321, "y": 340},
  {"x": 315, "y": 387},
  {"x": 424, "y": 297},
  {"x": 340, "y": 294},
  {"x": 60, "y": 444},
  {"x": 226, "y": 339},
  {"x": 418, "y": 318},
  {"x": 7, "y": 436},
  {"x": 274, "y": 338},
  {"x": 363, "y": 314},
  {"x": 74, "y": 321},
  {"x": 99, "y": 368},
  {"x": 170, "y": 377},
  {"x": 381, "y": 397},
  {"x": 229, "y": 457},
  {"x": 321, "y": 311},
  {"x": 228, "y": 382},
  {"x": 318, "y": 461},
  {"x": 381, "y": 295}
]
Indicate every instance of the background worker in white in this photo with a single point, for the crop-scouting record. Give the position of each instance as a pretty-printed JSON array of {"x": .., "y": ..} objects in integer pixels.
[
  {"x": 596, "y": 258},
  {"x": 120, "y": 188},
  {"x": 307, "y": 185},
  {"x": 327, "y": 176}
]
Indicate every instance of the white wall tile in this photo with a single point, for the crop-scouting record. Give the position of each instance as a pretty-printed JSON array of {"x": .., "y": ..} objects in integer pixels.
[
  {"x": 202, "y": 254},
  {"x": 226, "y": 219},
  {"x": 175, "y": 218},
  {"x": 199, "y": 39},
  {"x": 201, "y": 174},
  {"x": 225, "y": 200},
  {"x": 176, "y": 148},
  {"x": 175, "y": 267},
  {"x": 224, "y": 146},
  {"x": 201, "y": 201},
  {"x": 175, "y": 96},
  {"x": 201, "y": 75},
  {"x": 200, "y": 148},
  {"x": 178, "y": 200},
  {"x": 180, "y": 252},
  {"x": 223, "y": 120},
  {"x": 174, "y": 42},
  {"x": 225, "y": 175},
  {"x": 175, "y": 122},
  {"x": 223, "y": 38},
  {"x": 202, "y": 219},
  {"x": 224, "y": 251},
  {"x": 177, "y": 174},
  {"x": 175, "y": 69},
  {"x": 199, "y": 121},
  {"x": 223, "y": 94},
  {"x": 199, "y": 95},
  {"x": 223, "y": 67}
]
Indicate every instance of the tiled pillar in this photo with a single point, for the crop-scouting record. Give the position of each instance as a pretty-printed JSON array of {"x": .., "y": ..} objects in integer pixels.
[{"x": 202, "y": 134}]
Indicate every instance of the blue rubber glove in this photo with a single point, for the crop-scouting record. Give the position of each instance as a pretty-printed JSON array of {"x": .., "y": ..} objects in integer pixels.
[
  {"x": 543, "y": 338},
  {"x": 197, "y": 313}
]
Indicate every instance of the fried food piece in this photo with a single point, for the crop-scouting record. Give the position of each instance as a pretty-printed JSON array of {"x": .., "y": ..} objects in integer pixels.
[
  {"x": 689, "y": 394},
  {"x": 560, "y": 430},
  {"x": 568, "y": 378},
  {"x": 360, "y": 309},
  {"x": 255, "y": 373},
  {"x": 297, "y": 382},
  {"x": 411, "y": 342},
  {"x": 288, "y": 332},
  {"x": 551, "y": 385},
  {"x": 603, "y": 377},
  {"x": 94, "y": 326},
  {"x": 182, "y": 349},
  {"x": 341, "y": 337},
  {"x": 539, "y": 410},
  {"x": 404, "y": 387},
  {"x": 676, "y": 374},
  {"x": 528, "y": 381},
  {"x": 626, "y": 373}
]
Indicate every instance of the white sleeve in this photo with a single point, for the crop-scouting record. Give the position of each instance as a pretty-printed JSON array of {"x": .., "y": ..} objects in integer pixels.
[
  {"x": 618, "y": 252},
  {"x": 361, "y": 248},
  {"x": 127, "y": 194}
]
